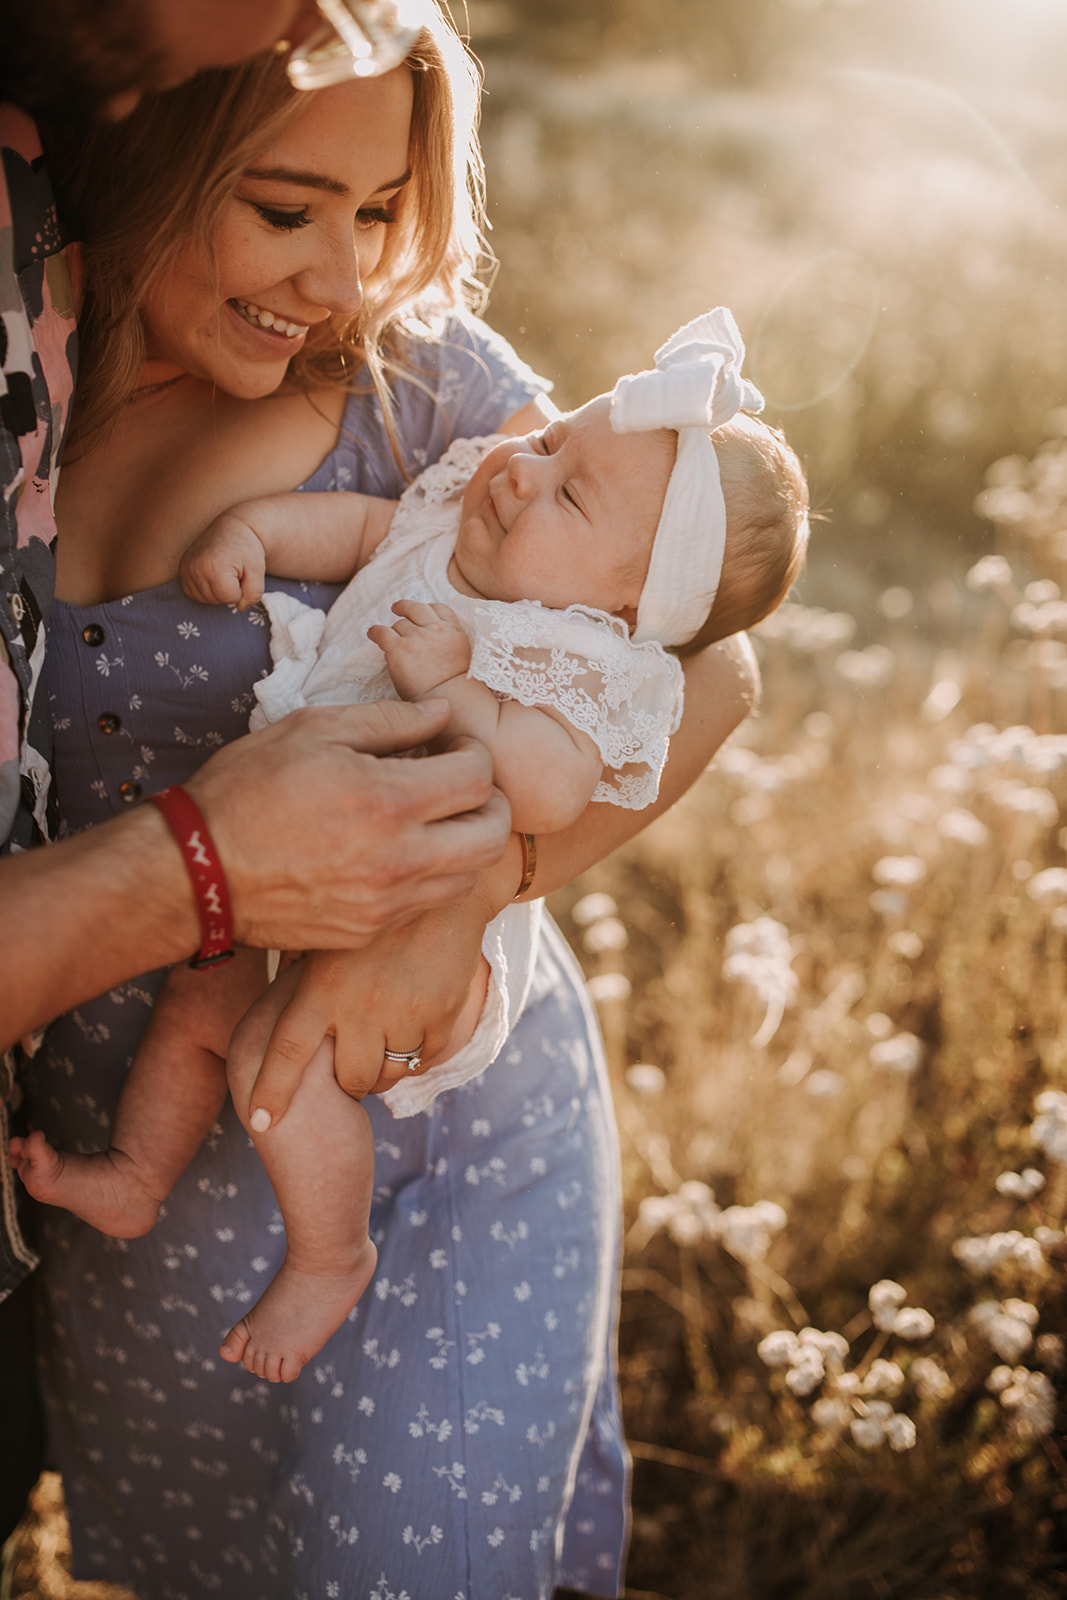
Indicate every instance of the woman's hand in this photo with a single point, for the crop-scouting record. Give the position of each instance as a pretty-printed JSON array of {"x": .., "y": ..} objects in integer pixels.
[{"x": 420, "y": 986}]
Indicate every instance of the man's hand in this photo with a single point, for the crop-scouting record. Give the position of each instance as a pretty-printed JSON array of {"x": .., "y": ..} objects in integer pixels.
[
  {"x": 328, "y": 839},
  {"x": 425, "y": 648}
]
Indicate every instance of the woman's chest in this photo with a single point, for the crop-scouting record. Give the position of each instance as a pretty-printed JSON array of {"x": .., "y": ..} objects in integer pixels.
[{"x": 129, "y": 509}]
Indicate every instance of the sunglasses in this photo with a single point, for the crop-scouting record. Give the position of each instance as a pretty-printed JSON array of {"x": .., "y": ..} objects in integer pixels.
[{"x": 358, "y": 39}]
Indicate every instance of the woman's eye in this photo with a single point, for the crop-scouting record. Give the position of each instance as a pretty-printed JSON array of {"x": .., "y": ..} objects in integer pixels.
[
  {"x": 284, "y": 221},
  {"x": 375, "y": 216},
  {"x": 571, "y": 501}
]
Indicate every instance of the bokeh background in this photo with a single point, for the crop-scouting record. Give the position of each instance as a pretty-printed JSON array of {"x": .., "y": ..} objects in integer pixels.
[{"x": 833, "y": 979}]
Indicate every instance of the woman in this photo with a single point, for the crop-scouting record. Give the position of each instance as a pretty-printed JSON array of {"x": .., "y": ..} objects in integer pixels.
[{"x": 459, "y": 1435}]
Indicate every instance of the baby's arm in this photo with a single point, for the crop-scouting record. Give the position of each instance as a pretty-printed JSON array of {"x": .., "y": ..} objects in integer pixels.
[
  {"x": 545, "y": 765},
  {"x": 322, "y": 537}
]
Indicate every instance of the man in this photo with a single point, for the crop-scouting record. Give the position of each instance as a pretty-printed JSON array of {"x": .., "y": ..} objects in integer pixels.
[{"x": 376, "y": 840}]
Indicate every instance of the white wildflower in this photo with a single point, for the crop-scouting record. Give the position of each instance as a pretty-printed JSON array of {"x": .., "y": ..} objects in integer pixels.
[
  {"x": 759, "y": 953},
  {"x": 900, "y": 1432},
  {"x": 824, "y": 1084},
  {"x": 964, "y": 827},
  {"x": 999, "y": 1379},
  {"x": 913, "y": 1323},
  {"x": 878, "y": 1025},
  {"x": 984, "y": 1253},
  {"x": 1032, "y": 1401},
  {"x": 1048, "y": 887},
  {"x": 831, "y": 1413},
  {"x": 688, "y": 1216},
  {"x": 871, "y": 668},
  {"x": 883, "y": 1377},
  {"x": 592, "y": 907},
  {"x": 1050, "y": 1351},
  {"x": 1009, "y": 1333},
  {"x": 645, "y": 1079},
  {"x": 848, "y": 1383},
  {"x": 1026, "y": 801},
  {"x": 1049, "y": 1239},
  {"x": 779, "y": 1348},
  {"x": 931, "y": 1380},
  {"x": 832, "y": 1347},
  {"x": 606, "y": 934},
  {"x": 991, "y": 572},
  {"x": 747, "y": 1231},
  {"x": 899, "y": 872},
  {"x": 605, "y": 986},
  {"x": 806, "y": 1372},
  {"x": 906, "y": 944},
  {"x": 1049, "y": 1128},
  {"x": 885, "y": 1298},
  {"x": 1021, "y": 1185},
  {"x": 902, "y": 1053},
  {"x": 867, "y": 1432}
]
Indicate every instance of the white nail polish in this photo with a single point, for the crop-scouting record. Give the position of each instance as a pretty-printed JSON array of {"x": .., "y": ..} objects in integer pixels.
[{"x": 260, "y": 1119}]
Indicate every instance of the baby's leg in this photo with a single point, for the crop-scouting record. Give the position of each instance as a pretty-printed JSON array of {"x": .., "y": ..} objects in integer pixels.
[
  {"x": 320, "y": 1161},
  {"x": 173, "y": 1092}
]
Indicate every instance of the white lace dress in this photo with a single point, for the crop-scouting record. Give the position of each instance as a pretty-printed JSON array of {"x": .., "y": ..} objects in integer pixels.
[{"x": 581, "y": 662}]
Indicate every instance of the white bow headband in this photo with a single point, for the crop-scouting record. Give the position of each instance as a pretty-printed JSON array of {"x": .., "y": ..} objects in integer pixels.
[{"x": 696, "y": 385}]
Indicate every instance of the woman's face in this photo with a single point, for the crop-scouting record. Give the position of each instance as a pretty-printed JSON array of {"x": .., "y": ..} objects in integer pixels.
[{"x": 293, "y": 244}]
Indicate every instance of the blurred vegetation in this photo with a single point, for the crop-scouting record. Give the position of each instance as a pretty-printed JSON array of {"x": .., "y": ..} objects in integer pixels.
[{"x": 874, "y": 187}]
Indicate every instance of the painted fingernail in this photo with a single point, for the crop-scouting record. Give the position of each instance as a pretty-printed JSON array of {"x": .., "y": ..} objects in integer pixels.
[{"x": 260, "y": 1119}]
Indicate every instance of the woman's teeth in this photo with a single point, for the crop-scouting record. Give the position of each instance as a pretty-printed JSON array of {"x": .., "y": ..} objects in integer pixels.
[{"x": 267, "y": 319}]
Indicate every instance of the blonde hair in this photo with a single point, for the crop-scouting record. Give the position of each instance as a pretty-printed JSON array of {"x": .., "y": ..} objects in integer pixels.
[
  {"x": 143, "y": 189},
  {"x": 766, "y": 495}
]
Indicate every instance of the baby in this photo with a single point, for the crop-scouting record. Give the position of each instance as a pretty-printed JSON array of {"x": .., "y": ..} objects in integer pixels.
[{"x": 552, "y": 581}]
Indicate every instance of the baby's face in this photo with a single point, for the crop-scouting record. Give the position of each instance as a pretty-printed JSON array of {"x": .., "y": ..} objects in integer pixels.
[{"x": 566, "y": 516}]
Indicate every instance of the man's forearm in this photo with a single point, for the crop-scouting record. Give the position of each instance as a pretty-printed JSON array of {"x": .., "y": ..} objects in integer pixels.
[{"x": 83, "y": 915}]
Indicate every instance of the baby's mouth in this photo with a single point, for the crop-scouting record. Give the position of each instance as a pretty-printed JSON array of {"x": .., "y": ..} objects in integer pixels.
[{"x": 258, "y": 318}]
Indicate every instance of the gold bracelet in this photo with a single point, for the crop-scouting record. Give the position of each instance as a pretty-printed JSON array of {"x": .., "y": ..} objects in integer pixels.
[{"x": 529, "y": 862}]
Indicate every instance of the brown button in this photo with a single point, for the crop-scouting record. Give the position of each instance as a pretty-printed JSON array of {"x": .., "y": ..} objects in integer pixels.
[
  {"x": 130, "y": 791},
  {"x": 107, "y": 722},
  {"x": 93, "y": 634}
]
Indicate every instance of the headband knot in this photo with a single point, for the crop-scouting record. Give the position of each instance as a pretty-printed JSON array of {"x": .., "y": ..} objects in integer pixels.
[{"x": 696, "y": 385}]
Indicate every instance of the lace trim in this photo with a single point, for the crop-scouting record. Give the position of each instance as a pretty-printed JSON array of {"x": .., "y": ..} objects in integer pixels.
[{"x": 582, "y": 663}]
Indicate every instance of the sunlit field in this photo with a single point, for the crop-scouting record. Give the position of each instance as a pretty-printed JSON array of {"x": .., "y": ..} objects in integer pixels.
[{"x": 833, "y": 979}]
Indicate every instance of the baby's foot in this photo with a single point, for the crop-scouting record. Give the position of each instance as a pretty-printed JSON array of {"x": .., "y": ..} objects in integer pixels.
[
  {"x": 295, "y": 1317},
  {"x": 103, "y": 1188}
]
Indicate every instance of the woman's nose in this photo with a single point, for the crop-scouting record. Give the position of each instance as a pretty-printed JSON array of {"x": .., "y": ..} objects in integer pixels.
[{"x": 334, "y": 280}]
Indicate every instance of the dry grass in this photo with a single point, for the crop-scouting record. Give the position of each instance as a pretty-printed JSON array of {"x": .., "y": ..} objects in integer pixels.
[{"x": 896, "y": 259}]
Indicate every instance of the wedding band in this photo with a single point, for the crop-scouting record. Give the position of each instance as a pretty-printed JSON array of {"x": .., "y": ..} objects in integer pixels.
[{"x": 412, "y": 1059}]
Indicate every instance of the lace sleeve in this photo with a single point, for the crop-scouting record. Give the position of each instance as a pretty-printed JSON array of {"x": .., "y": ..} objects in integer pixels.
[{"x": 626, "y": 697}]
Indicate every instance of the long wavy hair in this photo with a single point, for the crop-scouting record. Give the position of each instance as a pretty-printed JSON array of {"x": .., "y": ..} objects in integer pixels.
[{"x": 139, "y": 191}]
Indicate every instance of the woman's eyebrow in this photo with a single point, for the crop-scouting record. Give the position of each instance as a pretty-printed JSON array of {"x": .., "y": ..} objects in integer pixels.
[{"x": 317, "y": 180}]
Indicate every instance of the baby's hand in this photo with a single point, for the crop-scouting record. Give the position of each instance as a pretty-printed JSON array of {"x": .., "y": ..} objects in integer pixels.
[
  {"x": 424, "y": 649},
  {"x": 225, "y": 565}
]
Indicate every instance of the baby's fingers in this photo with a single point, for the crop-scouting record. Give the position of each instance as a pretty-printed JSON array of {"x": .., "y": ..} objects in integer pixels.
[{"x": 416, "y": 611}]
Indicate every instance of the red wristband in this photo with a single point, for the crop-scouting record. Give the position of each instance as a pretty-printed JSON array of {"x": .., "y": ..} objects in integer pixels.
[{"x": 205, "y": 872}]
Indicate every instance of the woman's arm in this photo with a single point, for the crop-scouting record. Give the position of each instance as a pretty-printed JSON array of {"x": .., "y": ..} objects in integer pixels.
[{"x": 428, "y": 966}]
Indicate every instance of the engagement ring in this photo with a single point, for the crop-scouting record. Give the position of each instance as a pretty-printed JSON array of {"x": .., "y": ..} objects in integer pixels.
[{"x": 412, "y": 1059}]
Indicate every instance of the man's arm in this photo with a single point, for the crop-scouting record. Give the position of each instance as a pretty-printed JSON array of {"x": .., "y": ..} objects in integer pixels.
[{"x": 324, "y": 845}]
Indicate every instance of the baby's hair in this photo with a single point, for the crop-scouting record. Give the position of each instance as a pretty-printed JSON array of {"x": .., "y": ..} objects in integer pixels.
[{"x": 766, "y": 495}]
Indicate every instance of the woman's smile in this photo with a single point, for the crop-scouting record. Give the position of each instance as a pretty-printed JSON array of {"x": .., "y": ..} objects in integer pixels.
[{"x": 268, "y": 320}]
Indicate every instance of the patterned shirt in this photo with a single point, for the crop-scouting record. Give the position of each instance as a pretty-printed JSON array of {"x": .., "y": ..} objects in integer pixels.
[{"x": 38, "y": 343}]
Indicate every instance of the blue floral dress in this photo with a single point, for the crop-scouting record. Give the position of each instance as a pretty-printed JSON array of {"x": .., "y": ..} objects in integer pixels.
[{"x": 459, "y": 1435}]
